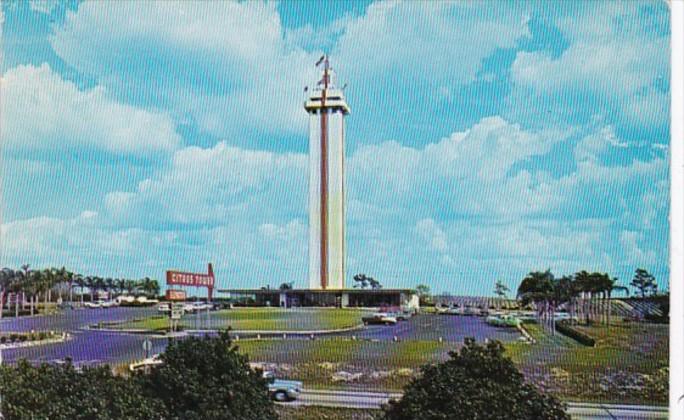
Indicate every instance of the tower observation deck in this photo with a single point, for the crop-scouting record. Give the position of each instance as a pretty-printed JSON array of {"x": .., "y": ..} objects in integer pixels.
[{"x": 327, "y": 109}]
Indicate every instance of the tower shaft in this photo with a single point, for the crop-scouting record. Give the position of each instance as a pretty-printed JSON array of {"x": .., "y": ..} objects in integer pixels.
[{"x": 327, "y": 109}]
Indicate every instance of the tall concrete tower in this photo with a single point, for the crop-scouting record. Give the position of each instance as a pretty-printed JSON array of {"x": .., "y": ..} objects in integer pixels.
[{"x": 327, "y": 108}]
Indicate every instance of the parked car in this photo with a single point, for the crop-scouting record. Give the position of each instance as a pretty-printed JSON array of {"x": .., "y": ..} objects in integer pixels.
[
  {"x": 502, "y": 320},
  {"x": 379, "y": 318},
  {"x": 164, "y": 308},
  {"x": 192, "y": 307},
  {"x": 149, "y": 362},
  {"x": 100, "y": 304},
  {"x": 282, "y": 390},
  {"x": 400, "y": 315}
]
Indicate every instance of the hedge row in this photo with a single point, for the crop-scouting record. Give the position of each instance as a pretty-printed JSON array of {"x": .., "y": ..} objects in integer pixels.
[
  {"x": 23, "y": 337},
  {"x": 582, "y": 338}
]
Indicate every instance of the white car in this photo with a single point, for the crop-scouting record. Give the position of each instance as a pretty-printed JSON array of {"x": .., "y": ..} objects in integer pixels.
[
  {"x": 109, "y": 303},
  {"x": 379, "y": 318},
  {"x": 164, "y": 308},
  {"x": 282, "y": 390},
  {"x": 149, "y": 362},
  {"x": 192, "y": 307},
  {"x": 100, "y": 304}
]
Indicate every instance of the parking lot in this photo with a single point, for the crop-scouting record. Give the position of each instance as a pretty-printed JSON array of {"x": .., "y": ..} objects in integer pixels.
[{"x": 93, "y": 347}]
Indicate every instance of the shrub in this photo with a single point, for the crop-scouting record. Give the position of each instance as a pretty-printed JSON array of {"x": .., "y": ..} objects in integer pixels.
[
  {"x": 478, "y": 382},
  {"x": 207, "y": 378},
  {"x": 582, "y": 338}
]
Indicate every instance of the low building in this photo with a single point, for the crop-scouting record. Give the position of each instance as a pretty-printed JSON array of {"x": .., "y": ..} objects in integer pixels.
[{"x": 340, "y": 298}]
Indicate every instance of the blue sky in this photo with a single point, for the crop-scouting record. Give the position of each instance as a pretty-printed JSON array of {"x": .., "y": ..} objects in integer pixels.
[{"x": 486, "y": 139}]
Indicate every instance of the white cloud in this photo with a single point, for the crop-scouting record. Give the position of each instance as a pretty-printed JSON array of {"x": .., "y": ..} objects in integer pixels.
[
  {"x": 432, "y": 234},
  {"x": 466, "y": 173},
  {"x": 43, "y": 112},
  {"x": 215, "y": 184},
  {"x": 235, "y": 69},
  {"x": 43, "y": 6},
  {"x": 635, "y": 254},
  {"x": 617, "y": 61},
  {"x": 430, "y": 42},
  {"x": 225, "y": 64}
]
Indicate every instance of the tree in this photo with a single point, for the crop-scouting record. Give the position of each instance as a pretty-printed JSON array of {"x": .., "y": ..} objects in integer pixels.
[
  {"x": 149, "y": 286},
  {"x": 80, "y": 281},
  {"x": 130, "y": 286},
  {"x": 361, "y": 281},
  {"x": 644, "y": 282},
  {"x": 286, "y": 286},
  {"x": 64, "y": 393},
  {"x": 500, "y": 290},
  {"x": 423, "y": 291},
  {"x": 207, "y": 378},
  {"x": 477, "y": 382},
  {"x": 6, "y": 278},
  {"x": 538, "y": 288}
]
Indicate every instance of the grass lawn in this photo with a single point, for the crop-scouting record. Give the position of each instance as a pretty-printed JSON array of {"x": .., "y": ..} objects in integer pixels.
[
  {"x": 369, "y": 364},
  {"x": 325, "y": 413},
  {"x": 627, "y": 365},
  {"x": 259, "y": 319}
]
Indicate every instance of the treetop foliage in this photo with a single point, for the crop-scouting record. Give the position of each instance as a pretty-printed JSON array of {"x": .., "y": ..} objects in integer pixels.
[{"x": 477, "y": 382}]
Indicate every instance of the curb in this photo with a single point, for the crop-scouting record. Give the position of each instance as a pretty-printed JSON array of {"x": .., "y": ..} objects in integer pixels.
[
  {"x": 35, "y": 343},
  {"x": 263, "y": 333},
  {"x": 266, "y": 333}
]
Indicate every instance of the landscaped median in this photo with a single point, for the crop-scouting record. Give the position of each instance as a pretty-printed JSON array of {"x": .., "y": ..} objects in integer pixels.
[
  {"x": 251, "y": 321},
  {"x": 11, "y": 340},
  {"x": 343, "y": 362},
  {"x": 627, "y": 364}
]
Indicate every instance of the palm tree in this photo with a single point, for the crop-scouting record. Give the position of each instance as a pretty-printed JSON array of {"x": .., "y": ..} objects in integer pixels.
[
  {"x": 538, "y": 288},
  {"x": 110, "y": 285},
  {"x": 6, "y": 279},
  {"x": 99, "y": 285},
  {"x": 130, "y": 286},
  {"x": 120, "y": 286},
  {"x": 26, "y": 269},
  {"x": 48, "y": 279},
  {"x": 32, "y": 286},
  {"x": 68, "y": 277},
  {"x": 16, "y": 285},
  {"x": 149, "y": 286},
  {"x": 501, "y": 291},
  {"x": 90, "y": 284},
  {"x": 612, "y": 286}
]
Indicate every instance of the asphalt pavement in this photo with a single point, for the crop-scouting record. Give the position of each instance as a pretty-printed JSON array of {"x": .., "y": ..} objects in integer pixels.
[
  {"x": 85, "y": 346},
  {"x": 375, "y": 400}
]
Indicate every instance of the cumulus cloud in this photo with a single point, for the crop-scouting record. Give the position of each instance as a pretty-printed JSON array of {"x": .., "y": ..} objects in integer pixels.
[
  {"x": 422, "y": 42},
  {"x": 226, "y": 65},
  {"x": 43, "y": 6},
  {"x": 432, "y": 234},
  {"x": 207, "y": 186},
  {"x": 43, "y": 112},
  {"x": 213, "y": 60},
  {"x": 466, "y": 173},
  {"x": 634, "y": 252},
  {"x": 617, "y": 62}
]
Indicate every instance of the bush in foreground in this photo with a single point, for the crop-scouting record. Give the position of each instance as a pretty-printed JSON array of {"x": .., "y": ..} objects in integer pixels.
[
  {"x": 63, "y": 393},
  {"x": 201, "y": 378},
  {"x": 478, "y": 382},
  {"x": 206, "y": 378}
]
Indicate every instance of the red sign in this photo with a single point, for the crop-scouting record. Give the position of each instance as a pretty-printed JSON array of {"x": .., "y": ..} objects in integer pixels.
[
  {"x": 188, "y": 279},
  {"x": 175, "y": 294},
  {"x": 180, "y": 278}
]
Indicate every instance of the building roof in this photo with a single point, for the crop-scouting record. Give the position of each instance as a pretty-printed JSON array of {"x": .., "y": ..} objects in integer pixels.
[{"x": 352, "y": 291}]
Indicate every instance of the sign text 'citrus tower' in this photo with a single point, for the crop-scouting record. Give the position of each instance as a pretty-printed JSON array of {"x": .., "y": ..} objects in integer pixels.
[{"x": 327, "y": 108}]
